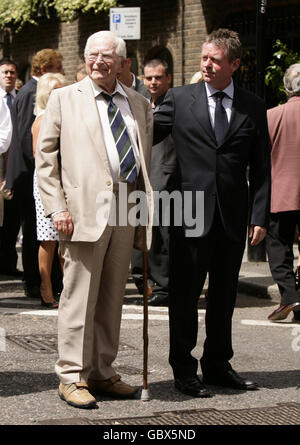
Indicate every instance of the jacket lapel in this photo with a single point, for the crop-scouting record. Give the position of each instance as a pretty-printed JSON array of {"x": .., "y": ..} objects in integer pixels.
[
  {"x": 199, "y": 109},
  {"x": 238, "y": 114},
  {"x": 91, "y": 118}
]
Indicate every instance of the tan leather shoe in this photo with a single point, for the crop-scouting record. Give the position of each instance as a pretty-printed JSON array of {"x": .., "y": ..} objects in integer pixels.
[
  {"x": 113, "y": 387},
  {"x": 76, "y": 394}
]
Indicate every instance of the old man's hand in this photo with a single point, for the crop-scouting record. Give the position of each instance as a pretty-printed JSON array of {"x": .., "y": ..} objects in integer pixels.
[{"x": 63, "y": 222}]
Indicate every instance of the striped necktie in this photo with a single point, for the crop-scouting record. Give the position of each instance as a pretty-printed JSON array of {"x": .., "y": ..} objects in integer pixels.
[{"x": 128, "y": 171}]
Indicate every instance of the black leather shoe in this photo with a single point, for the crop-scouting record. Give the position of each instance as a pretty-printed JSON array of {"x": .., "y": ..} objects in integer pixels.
[
  {"x": 192, "y": 386},
  {"x": 158, "y": 300},
  {"x": 141, "y": 290},
  {"x": 230, "y": 379}
]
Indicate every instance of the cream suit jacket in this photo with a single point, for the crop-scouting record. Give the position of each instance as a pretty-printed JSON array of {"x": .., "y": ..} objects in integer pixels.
[{"x": 72, "y": 166}]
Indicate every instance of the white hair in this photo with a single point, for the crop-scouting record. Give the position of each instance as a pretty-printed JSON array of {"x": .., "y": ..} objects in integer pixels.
[
  {"x": 120, "y": 45},
  {"x": 291, "y": 80}
]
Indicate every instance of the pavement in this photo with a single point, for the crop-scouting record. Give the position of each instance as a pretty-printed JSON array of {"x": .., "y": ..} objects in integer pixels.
[{"x": 266, "y": 352}]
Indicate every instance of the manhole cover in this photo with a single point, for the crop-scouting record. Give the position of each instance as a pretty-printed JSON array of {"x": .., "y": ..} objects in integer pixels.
[
  {"x": 281, "y": 414},
  {"x": 46, "y": 343}
]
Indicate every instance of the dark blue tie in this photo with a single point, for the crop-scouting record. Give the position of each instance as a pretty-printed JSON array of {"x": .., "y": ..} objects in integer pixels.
[
  {"x": 128, "y": 171},
  {"x": 221, "y": 120},
  {"x": 9, "y": 101}
]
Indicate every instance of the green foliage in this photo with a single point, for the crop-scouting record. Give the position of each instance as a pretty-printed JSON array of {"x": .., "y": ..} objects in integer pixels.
[
  {"x": 67, "y": 9},
  {"x": 283, "y": 57},
  {"x": 19, "y": 12}
]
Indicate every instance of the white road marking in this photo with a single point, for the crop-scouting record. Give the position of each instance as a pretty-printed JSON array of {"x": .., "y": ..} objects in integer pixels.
[
  {"x": 282, "y": 324},
  {"x": 138, "y": 315},
  {"x": 150, "y": 317},
  {"x": 22, "y": 311}
]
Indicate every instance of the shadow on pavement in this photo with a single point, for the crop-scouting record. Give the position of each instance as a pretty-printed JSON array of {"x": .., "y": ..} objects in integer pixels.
[
  {"x": 15, "y": 383},
  {"x": 165, "y": 390},
  {"x": 18, "y": 383}
]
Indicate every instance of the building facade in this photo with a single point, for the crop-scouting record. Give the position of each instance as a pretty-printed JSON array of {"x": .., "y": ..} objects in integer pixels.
[{"x": 170, "y": 29}]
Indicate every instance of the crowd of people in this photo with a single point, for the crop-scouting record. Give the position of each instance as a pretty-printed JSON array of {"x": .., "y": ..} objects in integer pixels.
[{"x": 66, "y": 145}]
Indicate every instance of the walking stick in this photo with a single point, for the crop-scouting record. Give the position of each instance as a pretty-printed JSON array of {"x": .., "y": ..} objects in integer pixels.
[{"x": 145, "y": 393}]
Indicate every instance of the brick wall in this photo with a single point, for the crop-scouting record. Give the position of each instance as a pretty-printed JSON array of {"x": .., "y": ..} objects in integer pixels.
[
  {"x": 176, "y": 28},
  {"x": 195, "y": 31},
  {"x": 162, "y": 29}
]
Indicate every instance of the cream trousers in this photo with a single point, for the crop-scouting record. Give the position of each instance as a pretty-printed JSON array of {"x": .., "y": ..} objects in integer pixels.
[{"x": 90, "y": 307}]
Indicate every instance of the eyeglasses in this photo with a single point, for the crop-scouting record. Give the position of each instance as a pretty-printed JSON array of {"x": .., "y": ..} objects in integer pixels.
[{"x": 93, "y": 57}]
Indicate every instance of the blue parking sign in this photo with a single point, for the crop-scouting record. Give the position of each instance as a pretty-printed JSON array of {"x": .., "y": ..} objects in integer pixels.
[{"x": 116, "y": 18}]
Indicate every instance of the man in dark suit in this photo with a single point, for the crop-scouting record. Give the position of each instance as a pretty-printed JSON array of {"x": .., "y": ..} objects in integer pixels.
[
  {"x": 20, "y": 168},
  {"x": 216, "y": 137},
  {"x": 128, "y": 78},
  {"x": 163, "y": 177},
  {"x": 11, "y": 222}
]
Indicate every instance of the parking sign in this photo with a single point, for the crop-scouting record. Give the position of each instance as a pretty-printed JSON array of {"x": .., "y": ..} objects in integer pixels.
[
  {"x": 126, "y": 23},
  {"x": 116, "y": 18}
]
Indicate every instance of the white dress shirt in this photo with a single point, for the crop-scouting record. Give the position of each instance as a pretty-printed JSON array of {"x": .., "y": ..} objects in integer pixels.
[
  {"x": 3, "y": 94},
  {"x": 226, "y": 102},
  {"x": 5, "y": 126},
  {"x": 120, "y": 99}
]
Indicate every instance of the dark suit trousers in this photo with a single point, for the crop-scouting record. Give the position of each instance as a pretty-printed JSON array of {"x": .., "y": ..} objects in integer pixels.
[
  {"x": 8, "y": 236},
  {"x": 30, "y": 245},
  {"x": 280, "y": 239},
  {"x": 158, "y": 262},
  {"x": 190, "y": 260}
]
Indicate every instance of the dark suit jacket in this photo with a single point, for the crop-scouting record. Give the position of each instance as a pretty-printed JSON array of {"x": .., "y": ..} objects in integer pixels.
[
  {"x": 163, "y": 173},
  {"x": 220, "y": 171},
  {"x": 140, "y": 88},
  {"x": 20, "y": 166}
]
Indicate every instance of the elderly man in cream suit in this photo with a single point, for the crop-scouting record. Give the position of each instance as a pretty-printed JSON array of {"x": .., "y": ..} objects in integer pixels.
[{"x": 80, "y": 176}]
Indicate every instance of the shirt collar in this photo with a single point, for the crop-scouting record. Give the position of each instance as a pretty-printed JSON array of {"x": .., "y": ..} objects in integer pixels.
[
  {"x": 229, "y": 90},
  {"x": 3, "y": 93},
  {"x": 98, "y": 90}
]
